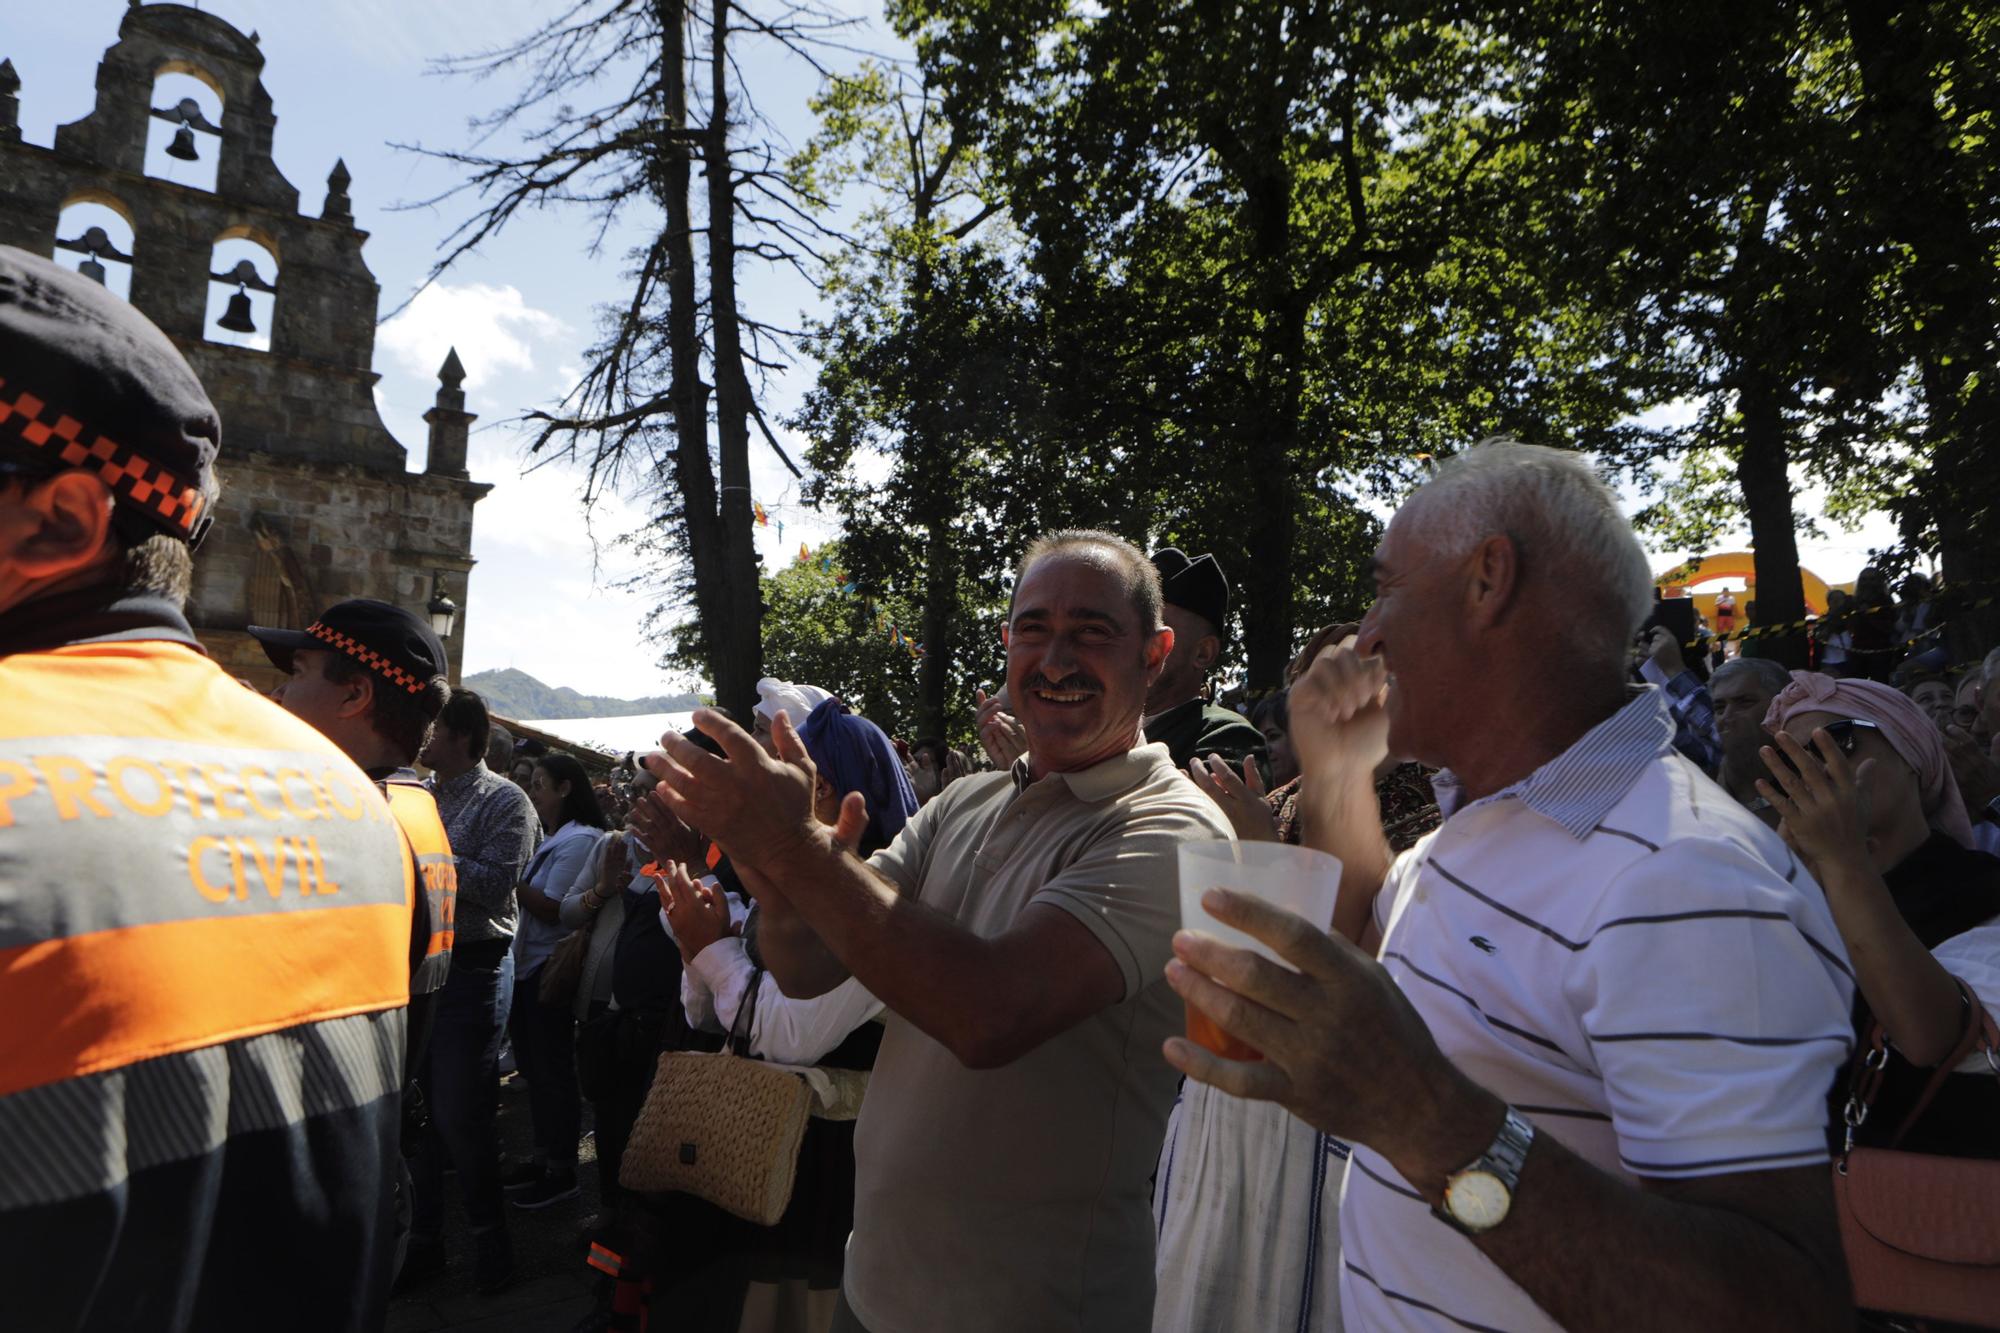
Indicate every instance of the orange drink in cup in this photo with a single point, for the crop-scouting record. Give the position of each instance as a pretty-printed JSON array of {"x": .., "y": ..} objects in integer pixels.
[
  {"x": 1299, "y": 879},
  {"x": 1203, "y": 1031}
]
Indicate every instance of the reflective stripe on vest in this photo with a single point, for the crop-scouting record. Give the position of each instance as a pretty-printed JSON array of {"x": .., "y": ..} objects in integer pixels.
[
  {"x": 416, "y": 813},
  {"x": 82, "y": 1136},
  {"x": 184, "y": 864}
]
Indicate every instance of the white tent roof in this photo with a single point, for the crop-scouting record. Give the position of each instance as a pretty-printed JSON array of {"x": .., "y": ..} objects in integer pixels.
[{"x": 614, "y": 735}]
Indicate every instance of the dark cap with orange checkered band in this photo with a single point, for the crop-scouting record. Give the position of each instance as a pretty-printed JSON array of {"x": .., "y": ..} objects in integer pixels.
[
  {"x": 393, "y": 643},
  {"x": 86, "y": 381}
]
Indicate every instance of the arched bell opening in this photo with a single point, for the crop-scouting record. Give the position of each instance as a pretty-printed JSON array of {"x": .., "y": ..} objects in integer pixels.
[
  {"x": 95, "y": 237},
  {"x": 184, "y": 136},
  {"x": 242, "y": 293}
]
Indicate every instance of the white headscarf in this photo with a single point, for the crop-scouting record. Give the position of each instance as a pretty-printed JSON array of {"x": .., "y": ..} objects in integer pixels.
[{"x": 798, "y": 701}]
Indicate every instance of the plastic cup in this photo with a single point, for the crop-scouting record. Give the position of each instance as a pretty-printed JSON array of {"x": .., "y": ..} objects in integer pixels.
[{"x": 1299, "y": 879}]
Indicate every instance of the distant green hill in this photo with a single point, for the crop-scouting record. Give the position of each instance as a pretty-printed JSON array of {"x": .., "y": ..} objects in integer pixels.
[{"x": 512, "y": 693}]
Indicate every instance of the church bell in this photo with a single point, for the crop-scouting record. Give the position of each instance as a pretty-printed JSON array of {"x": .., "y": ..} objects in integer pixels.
[
  {"x": 91, "y": 269},
  {"x": 183, "y": 145},
  {"x": 237, "y": 317}
]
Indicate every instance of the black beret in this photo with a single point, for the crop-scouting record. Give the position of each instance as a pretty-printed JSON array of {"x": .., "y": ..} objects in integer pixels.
[
  {"x": 1194, "y": 584},
  {"x": 86, "y": 381}
]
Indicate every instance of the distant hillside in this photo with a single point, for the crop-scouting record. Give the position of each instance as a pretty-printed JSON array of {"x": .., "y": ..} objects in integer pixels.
[{"x": 512, "y": 693}]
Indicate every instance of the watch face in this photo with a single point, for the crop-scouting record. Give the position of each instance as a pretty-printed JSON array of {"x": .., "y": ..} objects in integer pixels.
[{"x": 1478, "y": 1200}]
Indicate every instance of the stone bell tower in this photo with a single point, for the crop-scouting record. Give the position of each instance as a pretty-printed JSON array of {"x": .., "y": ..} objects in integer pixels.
[{"x": 318, "y": 504}]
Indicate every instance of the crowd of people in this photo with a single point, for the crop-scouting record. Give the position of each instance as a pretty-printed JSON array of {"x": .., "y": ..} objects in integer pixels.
[{"x": 1631, "y": 942}]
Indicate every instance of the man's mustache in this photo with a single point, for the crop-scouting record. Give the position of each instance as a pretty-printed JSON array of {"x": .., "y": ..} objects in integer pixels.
[{"x": 1076, "y": 684}]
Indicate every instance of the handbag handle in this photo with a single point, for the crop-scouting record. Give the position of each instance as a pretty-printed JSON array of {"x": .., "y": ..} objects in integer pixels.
[
  {"x": 738, "y": 1042},
  {"x": 1872, "y": 1062}
]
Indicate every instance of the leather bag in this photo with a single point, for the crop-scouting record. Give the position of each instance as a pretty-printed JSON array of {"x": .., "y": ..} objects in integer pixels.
[
  {"x": 1921, "y": 1232},
  {"x": 563, "y": 972},
  {"x": 725, "y": 1127},
  {"x": 556, "y": 984}
]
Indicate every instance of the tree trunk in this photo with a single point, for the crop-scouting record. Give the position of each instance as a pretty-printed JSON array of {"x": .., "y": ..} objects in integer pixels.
[
  {"x": 940, "y": 621},
  {"x": 736, "y": 636},
  {"x": 1767, "y": 495},
  {"x": 1924, "y": 202},
  {"x": 693, "y": 474},
  {"x": 1761, "y": 453},
  {"x": 1271, "y": 448}
]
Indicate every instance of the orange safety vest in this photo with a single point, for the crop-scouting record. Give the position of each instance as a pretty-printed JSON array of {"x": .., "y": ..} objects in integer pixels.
[
  {"x": 416, "y": 815},
  {"x": 204, "y": 964}
]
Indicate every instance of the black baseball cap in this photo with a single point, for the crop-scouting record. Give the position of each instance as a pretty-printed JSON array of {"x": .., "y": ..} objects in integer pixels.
[
  {"x": 86, "y": 381},
  {"x": 393, "y": 643}
]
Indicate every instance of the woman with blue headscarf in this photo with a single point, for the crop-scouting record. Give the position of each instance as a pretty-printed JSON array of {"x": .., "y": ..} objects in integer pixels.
[{"x": 836, "y": 1034}]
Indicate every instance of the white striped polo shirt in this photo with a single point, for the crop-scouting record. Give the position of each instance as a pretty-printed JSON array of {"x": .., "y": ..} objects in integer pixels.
[{"x": 1633, "y": 961}]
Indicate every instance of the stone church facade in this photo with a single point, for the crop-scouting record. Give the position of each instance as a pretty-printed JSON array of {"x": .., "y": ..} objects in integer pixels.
[{"x": 318, "y": 504}]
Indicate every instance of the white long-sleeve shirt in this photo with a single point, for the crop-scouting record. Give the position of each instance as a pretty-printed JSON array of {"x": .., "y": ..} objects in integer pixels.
[{"x": 786, "y": 1030}]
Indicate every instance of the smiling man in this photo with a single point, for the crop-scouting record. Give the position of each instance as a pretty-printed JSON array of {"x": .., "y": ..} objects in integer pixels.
[
  {"x": 1585, "y": 1082},
  {"x": 1016, "y": 930}
]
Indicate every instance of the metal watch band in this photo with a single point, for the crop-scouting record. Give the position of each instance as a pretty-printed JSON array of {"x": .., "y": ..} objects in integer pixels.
[{"x": 1503, "y": 1160}]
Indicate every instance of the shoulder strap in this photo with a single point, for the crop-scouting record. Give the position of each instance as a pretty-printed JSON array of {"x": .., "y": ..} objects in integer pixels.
[
  {"x": 1978, "y": 1034},
  {"x": 746, "y": 1017}
]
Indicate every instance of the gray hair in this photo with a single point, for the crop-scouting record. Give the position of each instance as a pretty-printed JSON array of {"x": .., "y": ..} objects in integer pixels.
[
  {"x": 1769, "y": 673},
  {"x": 1989, "y": 670},
  {"x": 1563, "y": 521}
]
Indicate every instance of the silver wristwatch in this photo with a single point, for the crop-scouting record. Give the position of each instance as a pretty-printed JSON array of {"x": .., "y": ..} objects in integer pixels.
[{"x": 1478, "y": 1197}]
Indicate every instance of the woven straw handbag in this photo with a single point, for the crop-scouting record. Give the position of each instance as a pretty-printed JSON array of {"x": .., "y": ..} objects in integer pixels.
[
  {"x": 1921, "y": 1233},
  {"x": 725, "y": 1128}
]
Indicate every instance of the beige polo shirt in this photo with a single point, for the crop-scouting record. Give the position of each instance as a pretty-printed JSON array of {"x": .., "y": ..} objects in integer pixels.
[{"x": 1016, "y": 1198}]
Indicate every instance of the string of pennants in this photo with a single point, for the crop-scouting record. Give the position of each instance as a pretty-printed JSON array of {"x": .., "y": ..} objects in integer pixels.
[
  {"x": 1793, "y": 627},
  {"x": 848, "y": 588}
]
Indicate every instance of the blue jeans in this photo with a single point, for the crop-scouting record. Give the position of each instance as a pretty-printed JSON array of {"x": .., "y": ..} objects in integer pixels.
[
  {"x": 545, "y": 1051},
  {"x": 461, "y": 1087}
]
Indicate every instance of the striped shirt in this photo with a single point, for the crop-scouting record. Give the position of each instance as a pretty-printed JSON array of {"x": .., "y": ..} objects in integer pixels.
[{"x": 1629, "y": 958}]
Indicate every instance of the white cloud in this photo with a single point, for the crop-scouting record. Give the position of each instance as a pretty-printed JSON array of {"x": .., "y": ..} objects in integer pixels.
[{"x": 494, "y": 329}]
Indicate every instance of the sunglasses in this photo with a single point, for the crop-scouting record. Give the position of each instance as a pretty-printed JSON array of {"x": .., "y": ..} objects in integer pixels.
[{"x": 1845, "y": 734}]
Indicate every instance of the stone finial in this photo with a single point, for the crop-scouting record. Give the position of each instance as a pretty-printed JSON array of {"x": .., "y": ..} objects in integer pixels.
[
  {"x": 450, "y": 423},
  {"x": 10, "y": 105},
  {"x": 338, "y": 207}
]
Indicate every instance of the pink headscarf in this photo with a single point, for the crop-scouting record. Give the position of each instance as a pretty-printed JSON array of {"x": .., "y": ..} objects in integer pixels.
[{"x": 1904, "y": 725}]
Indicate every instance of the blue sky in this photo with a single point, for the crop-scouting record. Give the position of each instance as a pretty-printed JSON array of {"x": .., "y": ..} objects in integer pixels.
[{"x": 347, "y": 80}]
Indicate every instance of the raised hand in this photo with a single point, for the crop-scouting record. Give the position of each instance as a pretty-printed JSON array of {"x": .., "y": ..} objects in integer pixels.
[
  {"x": 1820, "y": 799},
  {"x": 1665, "y": 650},
  {"x": 1000, "y": 732},
  {"x": 698, "y": 912},
  {"x": 925, "y": 780},
  {"x": 1339, "y": 726},
  {"x": 759, "y": 808},
  {"x": 1977, "y": 775},
  {"x": 1242, "y": 799}
]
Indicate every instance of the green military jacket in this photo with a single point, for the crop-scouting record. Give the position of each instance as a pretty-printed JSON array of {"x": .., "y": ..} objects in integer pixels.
[{"x": 1197, "y": 727}]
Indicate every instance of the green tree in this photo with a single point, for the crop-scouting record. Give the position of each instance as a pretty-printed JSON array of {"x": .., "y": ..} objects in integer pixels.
[
  {"x": 923, "y": 360},
  {"x": 1274, "y": 251},
  {"x": 822, "y": 629},
  {"x": 1929, "y": 183}
]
